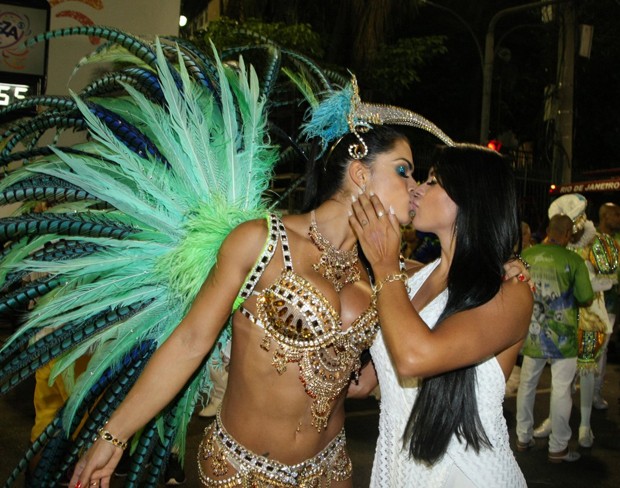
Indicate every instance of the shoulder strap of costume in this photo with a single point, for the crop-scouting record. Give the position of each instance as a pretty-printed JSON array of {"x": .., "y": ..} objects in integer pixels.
[
  {"x": 261, "y": 263},
  {"x": 286, "y": 250}
]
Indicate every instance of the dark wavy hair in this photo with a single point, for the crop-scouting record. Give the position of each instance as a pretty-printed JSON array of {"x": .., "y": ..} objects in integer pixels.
[
  {"x": 481, "y": 183},
  {"x": 326, "y": 175}
]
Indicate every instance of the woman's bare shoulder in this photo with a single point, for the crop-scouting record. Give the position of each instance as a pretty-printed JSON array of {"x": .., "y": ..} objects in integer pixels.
[
  {"x": 518, "y": 292},
  {"x": 247, "y": 239}
]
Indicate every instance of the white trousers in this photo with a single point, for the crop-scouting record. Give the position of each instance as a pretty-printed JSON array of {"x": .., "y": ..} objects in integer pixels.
[{"x": 562, "y": 374}]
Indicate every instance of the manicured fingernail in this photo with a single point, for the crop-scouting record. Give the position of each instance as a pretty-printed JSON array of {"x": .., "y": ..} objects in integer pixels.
[
  {"x": 521, "y": 277},
  {"x": 78, "y": 485},
  {"x": 372, "y": 193},
  {"x": 353, "y": 198},
  {"x": 391, "y": 210},
  {"x": 350, "y": 213}
]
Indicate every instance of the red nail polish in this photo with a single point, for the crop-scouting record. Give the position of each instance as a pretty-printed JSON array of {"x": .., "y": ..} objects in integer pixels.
[
  {"x": 78, "y": 485},
  {"x": 521, "y": 277}
]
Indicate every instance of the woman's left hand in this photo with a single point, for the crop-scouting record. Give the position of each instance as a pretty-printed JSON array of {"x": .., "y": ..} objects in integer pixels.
[
  {"x": 378, "y": 232},
  {"x": 517, "y": 268}
]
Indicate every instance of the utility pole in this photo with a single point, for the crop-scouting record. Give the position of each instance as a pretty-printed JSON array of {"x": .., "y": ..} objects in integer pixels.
[
  {"x": 489, "y": 57},
  {"x": 563, "y": 138}
]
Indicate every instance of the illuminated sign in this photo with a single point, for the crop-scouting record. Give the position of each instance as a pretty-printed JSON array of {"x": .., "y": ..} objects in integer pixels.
[
  {"x": 17, "y": 24},
  {"x": 611, "y": 184},
  {"x": 9, "y": 92},
  {"x": 23, "y": 68}
]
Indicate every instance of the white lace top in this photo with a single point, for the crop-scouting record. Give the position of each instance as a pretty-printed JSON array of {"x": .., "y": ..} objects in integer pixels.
[{"x": 394, "y": 468}]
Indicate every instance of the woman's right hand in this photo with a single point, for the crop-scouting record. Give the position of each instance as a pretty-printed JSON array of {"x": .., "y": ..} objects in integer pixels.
[
  {"x": 378, "y": 232},
  {"x": 96, "y": 466}
]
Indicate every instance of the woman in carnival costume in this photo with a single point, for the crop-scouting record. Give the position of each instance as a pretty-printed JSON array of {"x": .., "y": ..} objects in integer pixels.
[
  {"x": 178, "y": 191},
  {"x": 450, "y": 333},
  {"x": 303, "y": 314}
]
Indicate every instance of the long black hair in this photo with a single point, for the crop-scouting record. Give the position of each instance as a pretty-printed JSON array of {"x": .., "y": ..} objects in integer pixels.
[
  {"x": 325, "y": 176},
  {"x": 481, "y": 183}
]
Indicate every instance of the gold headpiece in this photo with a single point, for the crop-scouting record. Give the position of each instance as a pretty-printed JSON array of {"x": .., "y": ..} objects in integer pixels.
[{"x": 343, "y": 111}]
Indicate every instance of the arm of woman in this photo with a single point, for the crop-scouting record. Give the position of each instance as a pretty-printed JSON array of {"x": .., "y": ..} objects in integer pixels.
[
  {"x": 180, "y": 355},
  {"x": 461, "y": 340},
  {"x": 363, "y": 386}
]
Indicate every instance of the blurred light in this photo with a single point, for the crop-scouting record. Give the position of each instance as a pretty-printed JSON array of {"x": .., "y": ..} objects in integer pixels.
[
  {"x": 552, "y": 188},
  {"x": 494, "y": 144},
  {"x": 585, "y": 40},
  {"x": 182, "y": 20}
]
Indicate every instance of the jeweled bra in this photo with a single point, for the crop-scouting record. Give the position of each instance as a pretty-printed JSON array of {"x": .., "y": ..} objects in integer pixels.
[{"x": 306, "y": 329}]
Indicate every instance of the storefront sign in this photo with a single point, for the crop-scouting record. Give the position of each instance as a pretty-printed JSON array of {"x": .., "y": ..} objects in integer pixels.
[{"x": 611, "y": 184}]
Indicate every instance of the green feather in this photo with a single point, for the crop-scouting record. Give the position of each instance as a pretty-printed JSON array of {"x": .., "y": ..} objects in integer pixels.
[{"x": 218, "y": 164}]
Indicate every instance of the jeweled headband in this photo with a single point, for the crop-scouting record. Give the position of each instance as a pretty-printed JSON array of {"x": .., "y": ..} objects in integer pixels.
[{"x": 343, "y": 112}]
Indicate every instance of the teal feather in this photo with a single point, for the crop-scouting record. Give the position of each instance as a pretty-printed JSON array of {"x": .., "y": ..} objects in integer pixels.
[
  {"x": 328, "y": 120},
  {"x": 304, "y": 87},
  {"x": 19, "y": 252},
  {"x": 109, "y": 53}
]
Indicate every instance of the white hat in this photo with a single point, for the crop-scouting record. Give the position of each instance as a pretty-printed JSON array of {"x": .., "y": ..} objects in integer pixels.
[{"x": 574, "y": 206}]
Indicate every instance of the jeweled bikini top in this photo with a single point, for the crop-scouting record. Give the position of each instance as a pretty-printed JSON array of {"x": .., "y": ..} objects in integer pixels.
[{"x": 306, "y": 329}]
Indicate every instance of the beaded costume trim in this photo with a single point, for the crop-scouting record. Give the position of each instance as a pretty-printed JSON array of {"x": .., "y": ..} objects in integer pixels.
[
  {"x": 307, "y": 330},
  {"x": 589, "y": 344},
  {"x": 223, "y": 452},
  {"x": 604, "y": 254}
]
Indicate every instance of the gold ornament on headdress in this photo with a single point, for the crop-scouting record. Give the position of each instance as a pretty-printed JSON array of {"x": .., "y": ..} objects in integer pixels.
[
  {"x": 363, "y": 116},
  {"x": 342, "y": 112}
]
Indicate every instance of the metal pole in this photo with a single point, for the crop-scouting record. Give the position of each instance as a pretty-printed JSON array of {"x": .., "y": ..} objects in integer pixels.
[
  {"x": 489, "y": 55},
  {"x": 563, "y": 148}
]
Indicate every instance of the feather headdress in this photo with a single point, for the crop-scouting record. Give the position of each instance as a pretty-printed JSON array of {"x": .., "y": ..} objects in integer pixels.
[{"x": 342, "y": 112}]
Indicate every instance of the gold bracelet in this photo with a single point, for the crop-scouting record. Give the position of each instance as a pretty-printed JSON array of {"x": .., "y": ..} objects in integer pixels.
[
  {"x": 389, "y": 279},
  {"x": 106, "y": 436}
]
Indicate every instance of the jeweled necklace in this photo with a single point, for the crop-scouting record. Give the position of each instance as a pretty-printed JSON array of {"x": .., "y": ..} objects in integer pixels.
[{"x": 337, "y": 266}]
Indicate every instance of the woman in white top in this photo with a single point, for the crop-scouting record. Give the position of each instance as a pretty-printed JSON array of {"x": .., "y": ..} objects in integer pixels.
[{"x": 447, "y": 346}]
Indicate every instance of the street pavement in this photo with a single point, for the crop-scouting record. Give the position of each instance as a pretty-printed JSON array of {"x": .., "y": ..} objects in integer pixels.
[{"x": 599, "y": 466}]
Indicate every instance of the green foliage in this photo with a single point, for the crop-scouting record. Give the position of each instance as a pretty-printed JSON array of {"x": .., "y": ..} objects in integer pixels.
[
  {"x": 397, "y": 65},
  {"x": 226, "y": 33}
]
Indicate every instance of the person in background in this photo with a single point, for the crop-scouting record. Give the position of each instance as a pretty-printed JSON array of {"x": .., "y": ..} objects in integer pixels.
[
  {"x": 601, "y": 257},
  {"x": 609, "y": 223},
  {"x": 609, "y": 220},
  {"x": 561, "y": 284},
  {"x": 219, "y": 376},
  {"x": 512, "y": 385},
  {"x": 526, "y": 236},
  {"x": 410, "y": 241}
]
